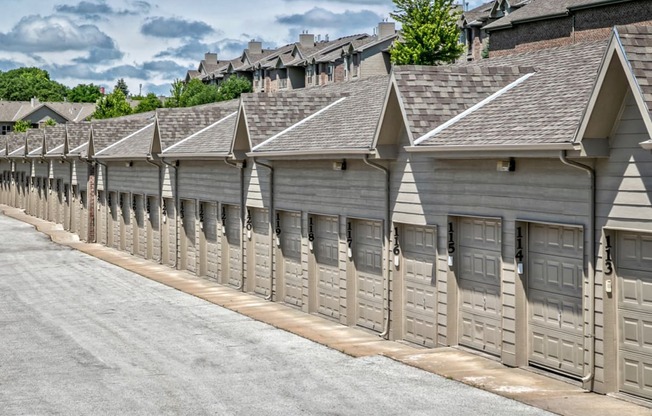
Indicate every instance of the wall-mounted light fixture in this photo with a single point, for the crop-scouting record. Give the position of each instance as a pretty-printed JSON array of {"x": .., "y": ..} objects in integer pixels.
[
  {"x": 451, "y": 244},
  {"x": 349, "y": 240},
  {"x": 506, "y": 165},
  {"x": 223, "y": 220},
  {"x": 339, "y": 165}
]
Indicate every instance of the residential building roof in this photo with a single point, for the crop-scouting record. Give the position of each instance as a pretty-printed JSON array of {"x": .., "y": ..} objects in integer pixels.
[
  {"x": 106, "y": 133},
  {"x": 478, "y": 14},
  {"x": 543, "y": 9},
  {"x": 176, "y": 124},
  {"x": 346, "y": 120},
  {"x": 637, "y": 45},
  {"x": 55, "y": 138},
  {"x": 544, "y": 107},
  {"x": 12, "y": 111},
  {"x": 34, "y": 141},
  {"x": 135, "y": 143},
  {"x": 432, "y": 95},
  {"x": 214, "y": 139}
]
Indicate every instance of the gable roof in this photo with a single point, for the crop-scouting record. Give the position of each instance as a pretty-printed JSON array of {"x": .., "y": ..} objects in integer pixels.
[
  {"x": 106, "y": 133},
  {"x": 135, "y": 144},
  {"x": 432, "y": 95},
  {"x": 15, "y": 144},
  {"x": 542, "y": 110},
  {"x": 215, "y": 139},
  {"x": 544, "y": 9},
  {"x": 176, "y": 124},
  {"x": 627, "y": 64},
  {"x": 55, "y": 139},
  {"x": 34, "y": 142},
  {"x": 347, "y": 124},
  {"x": 12, "y": 111}
]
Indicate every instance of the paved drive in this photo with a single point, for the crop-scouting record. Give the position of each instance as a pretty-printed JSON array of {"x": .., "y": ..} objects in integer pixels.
[{"x": 80, "y": 336}]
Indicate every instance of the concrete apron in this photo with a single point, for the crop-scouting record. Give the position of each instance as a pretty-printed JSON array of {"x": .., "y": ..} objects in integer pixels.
[{"x": 524, "y": 386}]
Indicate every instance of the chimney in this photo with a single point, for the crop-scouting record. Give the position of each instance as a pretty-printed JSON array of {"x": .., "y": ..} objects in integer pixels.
[
  {"x": 210, "y": 58},
  {"x": 386, "y": 29},
  {"x": 307, "y": 40},
  {"x": 255, "y": 47},
  {"x": 34, "y": 102}
]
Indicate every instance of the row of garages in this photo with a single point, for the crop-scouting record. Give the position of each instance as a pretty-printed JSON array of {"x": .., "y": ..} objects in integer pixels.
[{"x": 539, "y": 255}]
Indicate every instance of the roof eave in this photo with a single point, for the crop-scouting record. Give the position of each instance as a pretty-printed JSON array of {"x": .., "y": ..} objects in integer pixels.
[
  {"x": 490, "y": 148},
  {"x": 202, "y": 156},
  {"x": 312, "y": 154}
]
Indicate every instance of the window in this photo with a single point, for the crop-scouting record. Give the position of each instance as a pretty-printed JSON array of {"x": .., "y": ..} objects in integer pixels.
[
  {"x": 257, "y": 78},
  {"x": 6, "y": 129},
  {"x": 356, "y": 65},
  {"x": 330, "y": 70},
  {"x": 282, "y": 75},
  {"x": 310, "y": 71}
]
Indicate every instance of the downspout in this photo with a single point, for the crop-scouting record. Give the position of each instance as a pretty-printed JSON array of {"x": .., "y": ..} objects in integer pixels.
[
  {"x": 105, "y": 177},
  {"x": 270, "y": 221},
  {"x": 385, "y": 333},
  {"x": 176, "y": 216},
  {"x": 150, "y": 160},
  {"x": 241, "y": 287},
  {"x": 589, "y": 335}
]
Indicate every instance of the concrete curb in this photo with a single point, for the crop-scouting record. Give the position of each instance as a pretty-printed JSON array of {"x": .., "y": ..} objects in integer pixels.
[{"x": 546, "y": 393}]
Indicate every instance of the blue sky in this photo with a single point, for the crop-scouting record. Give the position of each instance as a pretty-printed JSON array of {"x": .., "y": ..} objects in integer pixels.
[{"x": 150, "y": 43}]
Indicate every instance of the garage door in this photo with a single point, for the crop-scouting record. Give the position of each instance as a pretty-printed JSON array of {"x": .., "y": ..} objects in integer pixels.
[
  {"x": 231, "y": 263},
  {"x": 554, "y": 290},
  {"x": 140, "y": 236},
  {"x": 479, "y": 284},
  {"x": 188, "y": 241},
  {"x": 114, "y": 221},
  {"x": 290, "y": 236},
  {"x": 327, "y": 272},
  {"x": 125, "y": 223},
  {"x": 101, "y": 218},
  {"x": 83, "y": 217},
  {"x": 368, "y": 259},
  {"x": 261, "y": 251},
  {"x": 634, "y": 264},
  {"x": 208, "y": 253},
  {"x": 169, "y": 234},
  {"x": 419, "y": 294},
  {"x": 153, "y": 228}
]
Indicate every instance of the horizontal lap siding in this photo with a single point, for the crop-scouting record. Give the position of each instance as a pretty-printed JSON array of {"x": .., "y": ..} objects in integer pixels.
[
  {"x": 256, "y": 185},
  {"x": 40, "y": 170},
  {"x": 209, "y": 181},
  {"x": 623, "y": 200},
  {"x": 99, "y": 171},
  {"x": 426, "y": 191},
  {"x": 61, "y": 171},
  {"x": 141, "y": 178},
  {"x": 80, "y": 173},
  {"x": 358, "y": 191}
]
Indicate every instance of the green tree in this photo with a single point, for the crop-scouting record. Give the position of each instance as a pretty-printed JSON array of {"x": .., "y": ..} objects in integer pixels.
[
  {"x": 149, "y": 103},
  {"x": 22, "y": 84},
  {"x": 232, "y": 87},
  {"x": 122, "y": 86},
  {"x": 430, "y": 35},
  {"x": 112, "y": 105},
  {"x": 84, "y": 93},
  {"x": 176, "y": 91},
  {"x": 50, "y": 122},
  {"x": 22, "y": 126}
]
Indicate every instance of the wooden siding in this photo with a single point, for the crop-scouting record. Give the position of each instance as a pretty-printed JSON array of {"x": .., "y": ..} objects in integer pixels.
[
  {"x": 623, "y": 201},
  {"x": 209, "y": 181},
  {"x": 374, "y": 62},
  {"x": 123, "y": 178},
  {"x": 80, "y": 173},
  {"x": 256, "y": 185}
]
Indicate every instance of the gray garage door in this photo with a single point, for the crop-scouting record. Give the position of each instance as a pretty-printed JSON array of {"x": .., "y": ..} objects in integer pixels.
[
  {"x": 153, "y": 228},
  {"x": 554, "y": 289},
  {"x": 231, "y": 263},
  {"x": 419, "y": 294},
  {"x": 368, "y": 258},
  {"x": 261, "y": 254},
  {"x": 139, "y": 234},
  {"x": 634, "y": 264},
  {"x": 290, "y": 225},
  {"x": 209, "y": 252},
  {"x": 327, "y": 273},
  {"x": 114, "y": 221},
  {"x": 188, "y": 242},
  {"x": 169, "y": 237},
  {"x": 479, "y": 283}
]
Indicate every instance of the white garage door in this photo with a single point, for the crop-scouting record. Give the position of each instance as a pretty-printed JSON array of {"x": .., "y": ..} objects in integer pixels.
[
  {"x": 140, "y": 236},
  {"x": 290, "y": 236},
  {"x": 368, "y": 259},
  {"x": 554, "y": 289},
  {"x": 419, "y": 294},
  {"x": 153, "y": 228},
  {"x": 327, "y": 272},
  {"x": 231, "y": 264},
  {"x": 261, "y": 246},
  {"x": 634, "y": 267},
  {"x": 209, "y": 252},
  {"x": 479, "y": 283}
]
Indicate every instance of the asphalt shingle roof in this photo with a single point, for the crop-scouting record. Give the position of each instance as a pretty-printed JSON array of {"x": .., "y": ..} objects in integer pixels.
[
  {"x": 538, "y": 9},
  {"x": 34, "y": 138},
  {"x": 135, "y": 144},
  {"x": 175, "y": 124},
  {"x": 55, "y": 138},
  {"x": 637, "y": 44},
  {"x": 108, "y": 132},
  {"x": 349, "y": 123},
  {"x": 545, "y": 108},
  {"x": 432, "y": 95},
  {"x": 216, "y": 138}
]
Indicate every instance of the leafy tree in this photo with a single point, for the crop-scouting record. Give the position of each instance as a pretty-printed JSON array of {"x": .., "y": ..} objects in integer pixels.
[
  {"x": 22, "y": 126},
  {"x": 50, "y": 122},
  {"x": 175, "y": 94},
  {"x": 22, "y": 84},
  {"x": 233, "y": 87},
  {"x": 112, "y": 105},
  {"x": 429, "y": 33},
  {"x": 149, "y": 103},
  {"x": 122, "y": 86},
  {"x": 84, "y": 93}
]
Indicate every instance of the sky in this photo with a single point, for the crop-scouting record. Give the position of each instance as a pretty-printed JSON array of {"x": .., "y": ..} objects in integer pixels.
[{"x": 150, "y": 43}]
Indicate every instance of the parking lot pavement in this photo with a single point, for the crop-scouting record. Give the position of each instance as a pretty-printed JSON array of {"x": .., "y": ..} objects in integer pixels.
[{"x": 81, "y": 336}]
